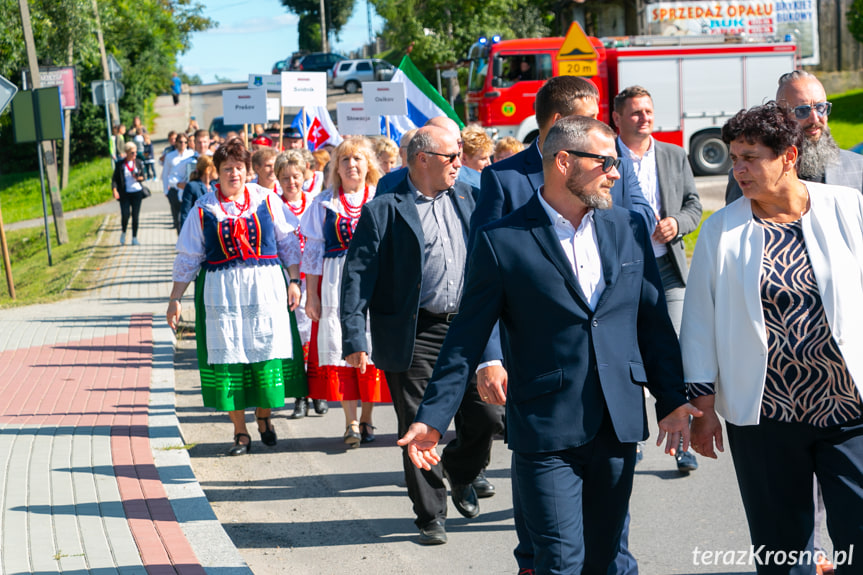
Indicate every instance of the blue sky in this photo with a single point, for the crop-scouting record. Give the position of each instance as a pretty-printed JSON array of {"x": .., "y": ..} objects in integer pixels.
[{"x": 252, "y": 35}]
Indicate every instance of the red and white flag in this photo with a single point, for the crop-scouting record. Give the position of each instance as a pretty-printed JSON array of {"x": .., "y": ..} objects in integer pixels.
[{"x": 320, "y": 128}]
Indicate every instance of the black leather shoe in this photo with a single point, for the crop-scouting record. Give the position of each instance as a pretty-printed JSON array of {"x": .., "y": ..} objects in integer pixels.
[
  {"x": 321, "y": 406},
  {"x": 432, "y": 533},
  {"x": 241, "y": 448},
  {"x": 301, "y": 408},
  {"x": 367, "y": 434},
  {"x": 483, "y": 486},
  {"x": 463, "y": 497},
  {"x": 268, "y": 436}
]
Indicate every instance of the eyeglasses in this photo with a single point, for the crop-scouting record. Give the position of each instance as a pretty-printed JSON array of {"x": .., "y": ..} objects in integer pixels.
[
  {"x": 608, "y": 162},
  {"x": 821, "y": 108},
  {"x": 450, "y": 158}
]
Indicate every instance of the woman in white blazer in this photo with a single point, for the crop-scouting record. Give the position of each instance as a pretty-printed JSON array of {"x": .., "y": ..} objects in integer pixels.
[{"x": 772, "y": 339}]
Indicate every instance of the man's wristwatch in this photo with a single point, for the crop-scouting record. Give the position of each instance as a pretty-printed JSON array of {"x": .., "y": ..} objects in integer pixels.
[{"x": 297, "y": 281}]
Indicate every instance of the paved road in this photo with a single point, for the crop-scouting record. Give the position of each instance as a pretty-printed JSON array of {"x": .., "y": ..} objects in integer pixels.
[
  {"x": 305, "y": 506},
  {"x": 310, "y": 506}
]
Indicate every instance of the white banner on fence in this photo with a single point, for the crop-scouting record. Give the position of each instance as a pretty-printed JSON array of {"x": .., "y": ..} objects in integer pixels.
[{"x": 758, "y": 19}]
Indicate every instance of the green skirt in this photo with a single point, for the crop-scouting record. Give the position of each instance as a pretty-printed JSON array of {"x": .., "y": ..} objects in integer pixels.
[{"x": 233, "y": 386}]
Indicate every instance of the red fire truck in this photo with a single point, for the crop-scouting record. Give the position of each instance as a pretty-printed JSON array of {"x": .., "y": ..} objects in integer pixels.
[{"x": 697, "y": 82}]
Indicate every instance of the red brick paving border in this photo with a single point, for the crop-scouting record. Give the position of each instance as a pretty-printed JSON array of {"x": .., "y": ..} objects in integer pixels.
[{"x": 104, "y": 382}]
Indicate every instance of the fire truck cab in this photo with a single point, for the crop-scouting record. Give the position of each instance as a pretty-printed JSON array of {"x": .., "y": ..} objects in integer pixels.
[{"x": 697, "y": 84}]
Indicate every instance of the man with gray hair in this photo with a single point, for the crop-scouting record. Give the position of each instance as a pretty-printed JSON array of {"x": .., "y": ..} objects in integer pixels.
[
  {"x": 405, "y": 268},
  {"x": 820, "y": 159},
  {"x": 573, "y": 281}
]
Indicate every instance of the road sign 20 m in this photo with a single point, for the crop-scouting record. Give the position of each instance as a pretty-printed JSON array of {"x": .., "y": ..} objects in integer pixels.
[{"x": 577, "y": 67}]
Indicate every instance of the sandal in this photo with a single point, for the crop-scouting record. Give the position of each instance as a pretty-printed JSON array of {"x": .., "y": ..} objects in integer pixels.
[
  {"x": 366, "y": 432},
  {"x": 268, "y": 436},
  {"x": 241, "y": 448},
  {"x": 352, "y": 436}
]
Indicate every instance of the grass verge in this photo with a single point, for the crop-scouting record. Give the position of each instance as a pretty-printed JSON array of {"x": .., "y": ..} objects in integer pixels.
[
  {"x": 36, "y": 281},
  {"x": 690, "y": 239},
  {"x": 846, "y": 120},
  {"x": 21, "y": 194}
]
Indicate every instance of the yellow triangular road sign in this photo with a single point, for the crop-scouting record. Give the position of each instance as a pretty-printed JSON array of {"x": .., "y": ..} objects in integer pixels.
[{"x": 576, "y": 45}]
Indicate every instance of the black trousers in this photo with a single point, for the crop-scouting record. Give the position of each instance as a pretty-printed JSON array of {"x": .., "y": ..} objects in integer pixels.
[
  {"x": 174, "y": 200},
  {"x": 775, "y": 462},
  {"x": 476, "y": 424},
  {"x": 130, "y": 204}
]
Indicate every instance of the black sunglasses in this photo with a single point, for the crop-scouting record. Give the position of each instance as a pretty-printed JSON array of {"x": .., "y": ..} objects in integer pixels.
[
  {"x": 450, "y": 158},
  {"x": 821, "y": 108},
  {"x": 608, "y": 162}
]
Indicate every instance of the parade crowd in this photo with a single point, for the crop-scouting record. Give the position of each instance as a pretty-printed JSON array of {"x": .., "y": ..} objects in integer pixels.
[{"x": 541, "y": 292}]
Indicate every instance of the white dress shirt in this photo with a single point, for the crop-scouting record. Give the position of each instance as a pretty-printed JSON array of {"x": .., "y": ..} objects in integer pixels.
[
  {"x": 645, "y": 171},
  {"x": 581, "y": 249},
  {"x": 174, "y": 170}
]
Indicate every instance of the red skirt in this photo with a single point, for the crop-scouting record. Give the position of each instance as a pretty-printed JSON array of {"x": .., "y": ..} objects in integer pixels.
[{"x": 338, "y": 383}]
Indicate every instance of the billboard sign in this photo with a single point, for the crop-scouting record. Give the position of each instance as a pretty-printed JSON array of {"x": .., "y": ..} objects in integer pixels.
[{"x": 761, "y": 20}]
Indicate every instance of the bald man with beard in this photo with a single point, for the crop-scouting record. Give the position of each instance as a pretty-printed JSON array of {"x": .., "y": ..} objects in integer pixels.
[{"x": 821, "y": 159}]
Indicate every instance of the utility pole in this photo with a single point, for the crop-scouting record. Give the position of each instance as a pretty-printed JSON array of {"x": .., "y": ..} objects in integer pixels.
[
  {"x": 323, "y": 28},
  {"x": 50, "y": 161},
  {"x": 106, "y": 72}
]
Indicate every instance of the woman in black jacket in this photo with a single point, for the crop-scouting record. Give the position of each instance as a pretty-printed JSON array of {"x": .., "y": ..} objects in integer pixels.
[{"x": 128, "y": 189}]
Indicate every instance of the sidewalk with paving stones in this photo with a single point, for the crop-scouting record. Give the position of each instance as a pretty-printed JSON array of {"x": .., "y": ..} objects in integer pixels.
[{"x": 94, "y": 476}]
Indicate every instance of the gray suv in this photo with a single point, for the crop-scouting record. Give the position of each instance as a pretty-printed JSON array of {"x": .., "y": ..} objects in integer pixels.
[{"x": 350, "y": 74}]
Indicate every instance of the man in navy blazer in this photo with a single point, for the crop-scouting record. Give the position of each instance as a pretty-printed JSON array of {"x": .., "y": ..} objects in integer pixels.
[
  {"x": 405, "y": 267},
  {"x": 574, "y": 282},
  {"x": 509, "y": 184}
]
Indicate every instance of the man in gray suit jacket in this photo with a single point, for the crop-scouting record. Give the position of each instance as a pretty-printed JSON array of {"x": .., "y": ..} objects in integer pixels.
[
  {"x": 669, "y": 187},
  {"x": 821, "y": 160}
]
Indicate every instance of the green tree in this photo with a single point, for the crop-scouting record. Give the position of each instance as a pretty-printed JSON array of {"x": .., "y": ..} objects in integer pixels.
[
  {"x": 442, "y": 30},
  {"x": 855, "y": 20},
  {"x": 337, "y": 13},
  {"x": 193, "y": 80},
  {"x": 145, "y": 37}
]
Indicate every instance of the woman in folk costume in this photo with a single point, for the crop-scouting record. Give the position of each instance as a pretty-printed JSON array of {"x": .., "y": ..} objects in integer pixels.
[
  {"x": 289, "y": 169},
  {"x": 328, "y": 225},
  {"x": 238, "y": 235}
]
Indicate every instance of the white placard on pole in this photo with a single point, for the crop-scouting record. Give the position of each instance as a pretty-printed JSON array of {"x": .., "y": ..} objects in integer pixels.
[
  {"x": 273, "y": 108},
  {"x": 385, "y": 98},
  {"x": 272, "y": 82},
  {"x": 244, "y": 106},
  {"x": 304, "y": 89},
  {"x": 353, "y": 119}
]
